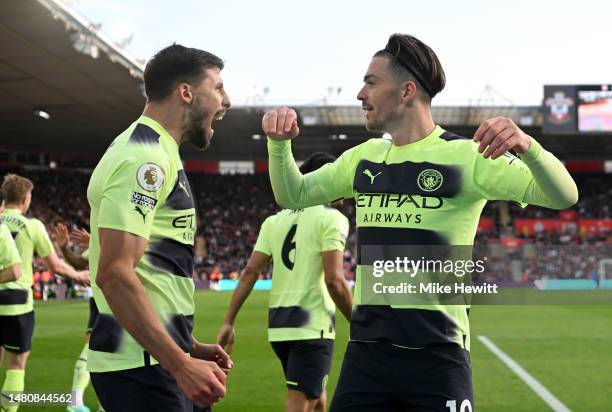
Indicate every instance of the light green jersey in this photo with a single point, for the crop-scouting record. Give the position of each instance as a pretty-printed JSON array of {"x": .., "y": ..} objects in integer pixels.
[
  {"x": 430, "y": 192},
  {"x": 300, "y": 306},
  {"x": 139, "y": 186},
  {"x": 31, "y": 238},
  {"x": 9, "y": 255}
]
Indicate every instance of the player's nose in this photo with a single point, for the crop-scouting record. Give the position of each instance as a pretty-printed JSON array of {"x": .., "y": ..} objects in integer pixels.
[
  {"x": 361, "y": 95},
  {"x": 226, "y": 102}
]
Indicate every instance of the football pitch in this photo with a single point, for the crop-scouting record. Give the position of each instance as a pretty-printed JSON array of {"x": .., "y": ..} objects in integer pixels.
[{"x": 568, "y": 349}]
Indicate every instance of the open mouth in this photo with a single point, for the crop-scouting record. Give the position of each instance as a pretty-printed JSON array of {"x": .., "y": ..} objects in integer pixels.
[{"x": 218, "y": 116}]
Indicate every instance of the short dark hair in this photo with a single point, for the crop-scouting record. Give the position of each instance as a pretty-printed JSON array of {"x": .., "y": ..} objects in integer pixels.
[
  {"x": 410, "y": 55},
  {"x": 315, "y": 161},
  {"x": 176, "y": 64}
]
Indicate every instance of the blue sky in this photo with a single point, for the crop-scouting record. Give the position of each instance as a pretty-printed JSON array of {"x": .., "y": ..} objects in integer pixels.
[{"x": 300, "y": 49}]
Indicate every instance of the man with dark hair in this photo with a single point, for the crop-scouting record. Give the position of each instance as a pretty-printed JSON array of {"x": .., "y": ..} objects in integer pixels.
[
  {"x": 426, "y": 186},
  {"x": 306, "y": 247},
  {"x": 16, "y": 300},
  {"x": 142, "y": 355}
]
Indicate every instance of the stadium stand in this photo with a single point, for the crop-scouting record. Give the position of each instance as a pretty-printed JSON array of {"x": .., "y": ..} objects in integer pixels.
[{"x": 231, "y": 207}]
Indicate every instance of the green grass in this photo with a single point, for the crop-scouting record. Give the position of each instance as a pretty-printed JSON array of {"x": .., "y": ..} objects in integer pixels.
[{"x": 567, "y": 348}]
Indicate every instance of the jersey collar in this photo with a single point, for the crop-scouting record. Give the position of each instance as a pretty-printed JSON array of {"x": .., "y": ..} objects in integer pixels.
[
  {"x": 430, "y": 138},
  {"x": 13, "y": 211},
  {"x": 153, "y": 124}
]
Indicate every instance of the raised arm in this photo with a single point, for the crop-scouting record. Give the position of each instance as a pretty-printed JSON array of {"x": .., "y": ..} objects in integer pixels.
[
  {"x": 60, "y": 233},
  {"x": 547, "y": 182},
  {"x": 292, "y": 190}
]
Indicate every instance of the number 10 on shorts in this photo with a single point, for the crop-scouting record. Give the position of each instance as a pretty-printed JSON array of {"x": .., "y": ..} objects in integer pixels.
[{"x": 466, "y": 406}]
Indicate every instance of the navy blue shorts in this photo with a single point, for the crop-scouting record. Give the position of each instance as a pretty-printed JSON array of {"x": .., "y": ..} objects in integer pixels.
[
  {"x": 16, "y": 332},
  {"x": 306, "y": 364},
  {"x": 378, "y": 376},
  {"x": 145, "y": 389}
]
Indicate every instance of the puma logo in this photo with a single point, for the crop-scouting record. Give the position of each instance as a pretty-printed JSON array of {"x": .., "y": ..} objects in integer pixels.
[
  {"x": 369, "y": 174},
  {"x": 143, "y": 214},
  {"x": 182, "y": 186}
]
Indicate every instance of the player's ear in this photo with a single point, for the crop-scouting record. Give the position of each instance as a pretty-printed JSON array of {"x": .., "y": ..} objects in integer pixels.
[
  {"x": 185, "y": 93},
  {"x": 408, "y": 90}
]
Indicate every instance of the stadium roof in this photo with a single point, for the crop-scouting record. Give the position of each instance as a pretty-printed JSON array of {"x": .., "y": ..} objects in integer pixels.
[{"x": 54, "y": 61}]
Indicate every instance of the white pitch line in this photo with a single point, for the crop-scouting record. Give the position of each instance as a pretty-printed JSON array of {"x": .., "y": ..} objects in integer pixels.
[{"x": 533, "y": 383}]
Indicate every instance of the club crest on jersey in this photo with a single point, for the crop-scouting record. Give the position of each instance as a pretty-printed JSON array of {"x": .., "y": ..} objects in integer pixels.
[
  {"x": 429, "y": 180},
  {"x": 150, "y": 177}
]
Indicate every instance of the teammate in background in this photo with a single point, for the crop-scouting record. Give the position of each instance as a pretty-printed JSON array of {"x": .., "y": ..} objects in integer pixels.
[
  {"x": 434, "y": 185},
  {"x": 10, "y": 262},
  {"x": 16, "y": 303},
  {"x": 306, "y": 246},
  {"x": 142, "y": 355},
  {"x": 80, "y": 378}
]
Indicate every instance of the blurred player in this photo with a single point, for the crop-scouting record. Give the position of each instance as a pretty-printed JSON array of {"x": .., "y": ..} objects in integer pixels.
[
  {"x": 141, "y": 249},
  {"x": 306, "y": 246},
  {"x": 10, "y": 262},
  {"x": 80, "y": 378},
  {"x": 433, "y": 186},
  {"x": 16, "y": 303}
]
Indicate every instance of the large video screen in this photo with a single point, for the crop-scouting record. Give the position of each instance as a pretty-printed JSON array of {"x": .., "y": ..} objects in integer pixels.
[{"x": 594, "y": 108}]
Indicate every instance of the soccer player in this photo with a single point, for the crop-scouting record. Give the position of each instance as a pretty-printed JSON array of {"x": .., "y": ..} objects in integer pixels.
[
  {"x": 80, "y": 378},
  {"x": 433, "y": 185},
  {"x": 306, "y": 246},
  {"x": 16, "y": 303},
  {"x": 142, "y": 355},
  {"x": 10, "y": 262}
]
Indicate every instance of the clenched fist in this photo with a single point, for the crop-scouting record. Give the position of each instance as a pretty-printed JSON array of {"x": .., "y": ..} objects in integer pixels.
[{"x": 280, "y": 124}]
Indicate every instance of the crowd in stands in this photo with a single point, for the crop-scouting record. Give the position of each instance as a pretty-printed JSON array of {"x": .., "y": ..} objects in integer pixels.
[
  {"x": 594, "y": 201},
  {"x": 231, "y": 208}
]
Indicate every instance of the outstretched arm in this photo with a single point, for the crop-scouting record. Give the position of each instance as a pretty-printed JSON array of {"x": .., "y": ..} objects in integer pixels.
[{"x": 57, "y": 265}]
